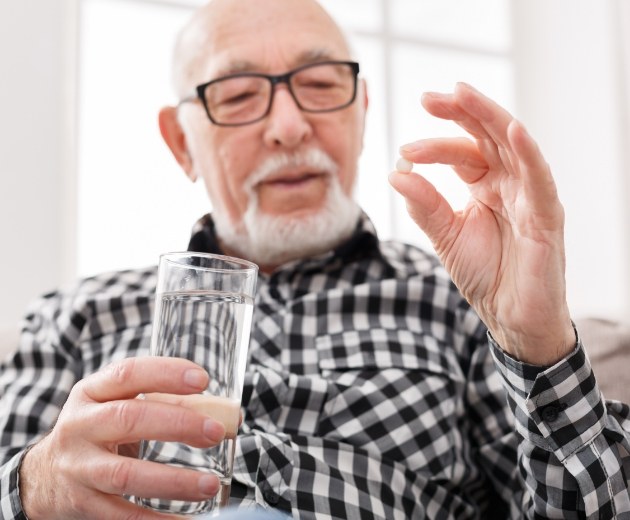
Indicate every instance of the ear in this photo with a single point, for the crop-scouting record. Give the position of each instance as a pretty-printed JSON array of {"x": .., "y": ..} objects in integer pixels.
[
  {"x": 364, "y": 94},
  {"x": 364, "y": 100},
  {"x": 174, "y": 136}
]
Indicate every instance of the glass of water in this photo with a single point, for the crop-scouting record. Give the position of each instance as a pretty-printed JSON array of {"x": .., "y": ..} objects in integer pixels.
[{"x": 203, "y": 312}]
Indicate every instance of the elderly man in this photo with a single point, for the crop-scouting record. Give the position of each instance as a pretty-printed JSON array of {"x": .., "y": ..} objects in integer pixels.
[{"x": 374, "y": 390}]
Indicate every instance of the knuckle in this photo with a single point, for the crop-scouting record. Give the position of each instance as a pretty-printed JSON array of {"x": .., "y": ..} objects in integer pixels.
[
  {"x": 122, "y": 371},
  {"x": 64, "y": 433},
  {"x": 120, "y": 476},
  {"x": 125, "y": 415}
]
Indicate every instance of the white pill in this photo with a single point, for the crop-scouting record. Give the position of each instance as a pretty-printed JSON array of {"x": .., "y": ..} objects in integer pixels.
[{"x": 403, "y": 165}]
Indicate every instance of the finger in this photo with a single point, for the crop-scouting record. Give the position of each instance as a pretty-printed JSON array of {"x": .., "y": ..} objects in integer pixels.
[
  {"x": 116, "y": 475},
  {"x": 509, "y": 161},
  {"x": 538, "y": 183},
  {"x": 127, "y": 378},
  {"x": 492, "y": 117},
  {"x": 108, "y": 507},
  {"x": 445, "y": 106},
  {"x": 131, "y": 420},
  {"x": 426, "y": 206},
  {"x": 459, "y": 152},
  {"x": 223, "y": 409}
]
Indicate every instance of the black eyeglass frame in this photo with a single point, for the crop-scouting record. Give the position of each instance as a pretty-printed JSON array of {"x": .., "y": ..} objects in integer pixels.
[{"x": 274, "y": 80}]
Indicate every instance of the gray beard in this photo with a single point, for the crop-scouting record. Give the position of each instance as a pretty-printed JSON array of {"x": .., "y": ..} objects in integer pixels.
[{"x": 271, "y": 240}]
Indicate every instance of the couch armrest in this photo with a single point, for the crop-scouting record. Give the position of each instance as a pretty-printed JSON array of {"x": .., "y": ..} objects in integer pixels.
[{"x": 607, "y": 344}]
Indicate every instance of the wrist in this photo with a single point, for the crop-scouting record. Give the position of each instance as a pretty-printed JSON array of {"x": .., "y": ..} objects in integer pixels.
[
  {"x": 540, "y": 349},
  {"x": 32, "y": 494}
]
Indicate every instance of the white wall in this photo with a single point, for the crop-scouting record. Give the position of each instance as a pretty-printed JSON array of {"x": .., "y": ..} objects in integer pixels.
[
  {"x": 34, "y": 247},
  {"x": 570, "y": 95}
]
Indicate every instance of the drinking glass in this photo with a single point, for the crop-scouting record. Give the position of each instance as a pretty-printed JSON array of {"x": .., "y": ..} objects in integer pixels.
[{"x": 203, "y": 312}]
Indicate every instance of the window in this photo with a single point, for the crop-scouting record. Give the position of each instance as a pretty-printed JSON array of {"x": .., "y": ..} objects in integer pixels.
[{"x": 135, "y": 203}]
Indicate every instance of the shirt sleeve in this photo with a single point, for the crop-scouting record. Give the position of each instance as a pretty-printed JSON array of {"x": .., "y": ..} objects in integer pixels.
[
  {"x": 575, "y": 447},
  {"x": 34, "y": 384},
  {"x": 10, "y": 505}
]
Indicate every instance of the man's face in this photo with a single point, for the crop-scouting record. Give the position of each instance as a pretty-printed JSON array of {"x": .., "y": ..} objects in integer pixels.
[{"x": 242, "y": 36}]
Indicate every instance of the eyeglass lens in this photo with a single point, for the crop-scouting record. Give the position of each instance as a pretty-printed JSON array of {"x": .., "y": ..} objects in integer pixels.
[{"x": 246, "y": 98}]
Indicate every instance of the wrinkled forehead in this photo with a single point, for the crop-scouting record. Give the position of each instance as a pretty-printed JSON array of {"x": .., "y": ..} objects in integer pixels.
[{"x": 237, "y": 35}]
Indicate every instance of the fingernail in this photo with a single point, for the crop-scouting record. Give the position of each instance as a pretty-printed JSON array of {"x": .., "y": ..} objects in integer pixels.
[
  {"x": 517, "y": 124},
  {"x": 195, "y": 377},
  {"x": 208, "y": 485},
  {"x": 466, "y": 85},
  {"x": 213, "y": 430},
  {"x": 410, "y": 147}
]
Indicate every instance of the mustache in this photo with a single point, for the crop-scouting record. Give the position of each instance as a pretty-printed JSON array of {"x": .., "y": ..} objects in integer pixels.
[{"x": 312, "y": 159}]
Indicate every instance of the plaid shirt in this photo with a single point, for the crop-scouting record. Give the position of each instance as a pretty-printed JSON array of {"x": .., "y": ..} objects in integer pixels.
[{"x": 372, "y": 391}]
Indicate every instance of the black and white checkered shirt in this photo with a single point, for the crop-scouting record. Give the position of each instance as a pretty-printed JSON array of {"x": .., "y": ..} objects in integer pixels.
[{"x": 371, "y": 392}]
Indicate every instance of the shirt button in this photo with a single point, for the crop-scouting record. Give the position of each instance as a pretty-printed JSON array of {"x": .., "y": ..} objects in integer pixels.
[
  {"x": 550, "y": 413},
  {"x": 271, "y": 497}
]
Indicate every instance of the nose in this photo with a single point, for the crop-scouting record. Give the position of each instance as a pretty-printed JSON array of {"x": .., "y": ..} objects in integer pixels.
[{"x": 286, "y": 125}]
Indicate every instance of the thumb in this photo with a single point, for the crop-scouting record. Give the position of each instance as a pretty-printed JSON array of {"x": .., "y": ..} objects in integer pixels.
[{"x": 426, "y": 206}]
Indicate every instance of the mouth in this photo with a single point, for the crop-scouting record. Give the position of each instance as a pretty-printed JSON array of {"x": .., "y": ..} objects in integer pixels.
[{"x": 292, "y": 179}]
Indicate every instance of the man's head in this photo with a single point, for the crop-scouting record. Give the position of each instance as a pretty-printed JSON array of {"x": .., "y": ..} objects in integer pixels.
[{"x": 280, "y": 186}]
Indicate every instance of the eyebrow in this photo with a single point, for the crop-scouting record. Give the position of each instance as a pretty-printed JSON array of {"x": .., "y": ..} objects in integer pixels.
[{"x": 304, "y": 58}]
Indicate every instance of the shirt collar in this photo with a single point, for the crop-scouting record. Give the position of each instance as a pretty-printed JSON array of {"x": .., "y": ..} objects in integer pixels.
[{"x": 363, "y": 243}]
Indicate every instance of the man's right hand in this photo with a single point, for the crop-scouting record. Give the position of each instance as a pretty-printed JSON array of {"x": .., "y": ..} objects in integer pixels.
[{"x": 77, "y": 470}]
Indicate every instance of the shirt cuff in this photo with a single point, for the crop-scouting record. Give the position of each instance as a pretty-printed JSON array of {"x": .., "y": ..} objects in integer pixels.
[
  {"x": 558, "y": 408},
  {"x": 10, "y": 503}
]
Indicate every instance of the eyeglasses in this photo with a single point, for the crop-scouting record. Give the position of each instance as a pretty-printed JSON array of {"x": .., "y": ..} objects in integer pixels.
[{"x": 244, "y": 98}]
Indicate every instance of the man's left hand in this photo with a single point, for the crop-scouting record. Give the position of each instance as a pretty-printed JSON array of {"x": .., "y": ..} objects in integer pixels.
[{"x": 505, "y": 249}]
